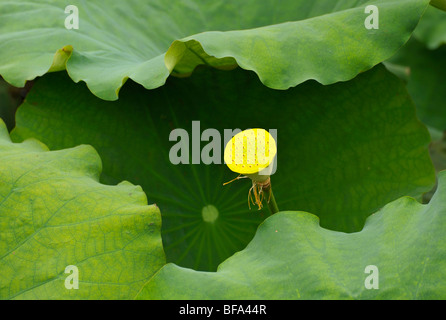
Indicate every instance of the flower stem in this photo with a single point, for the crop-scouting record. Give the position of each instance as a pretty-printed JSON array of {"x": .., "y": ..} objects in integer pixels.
[{"x": 272, "y": 205}]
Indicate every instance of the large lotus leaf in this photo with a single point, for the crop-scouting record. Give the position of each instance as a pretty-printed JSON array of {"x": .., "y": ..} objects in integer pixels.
[
  {"x": 343, "y": 150},
  {"x": 292, "y": 257},
  {"x": 432, "y": 27},
  {"x": 54, "y": 213},
  {"x": 285, "y": 43},
  {"x": 426, "y": 81}
]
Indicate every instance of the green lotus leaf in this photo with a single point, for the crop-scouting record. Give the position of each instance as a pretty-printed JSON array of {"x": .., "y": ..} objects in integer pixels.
[
  {"x": 55, "y": 214},
  {"x": 432, "y": 28},
  {"x": 402, "y": 249},
  {"x": 285, "y": 44},
  {"x": 440, "y": 4},
  {"x": 344, "y": 151},
  {"x": 426, "y": 81}
]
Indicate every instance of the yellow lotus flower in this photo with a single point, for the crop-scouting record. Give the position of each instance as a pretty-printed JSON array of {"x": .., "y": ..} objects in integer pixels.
[{"x": 252, "y": 153}]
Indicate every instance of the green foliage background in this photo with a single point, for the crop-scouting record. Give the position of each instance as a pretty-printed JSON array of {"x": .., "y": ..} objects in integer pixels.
[{"x": 353, "y": 139}]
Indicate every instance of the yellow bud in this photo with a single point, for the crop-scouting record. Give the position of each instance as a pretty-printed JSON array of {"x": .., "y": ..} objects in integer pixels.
[{"x": 250, "y": 151}]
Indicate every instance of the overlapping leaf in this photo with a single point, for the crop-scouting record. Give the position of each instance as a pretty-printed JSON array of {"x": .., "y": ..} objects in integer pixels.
[
  {"x": 343, "y": 150},
  {"x": 292, "y": 257},
  {"x": 432, "y": 27},
  {"x": 424, "y": 58},
  {"x": 285, "y": 43},
  {"x": 54, "y": 213},
  {"x": 426, "y": 81}
]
